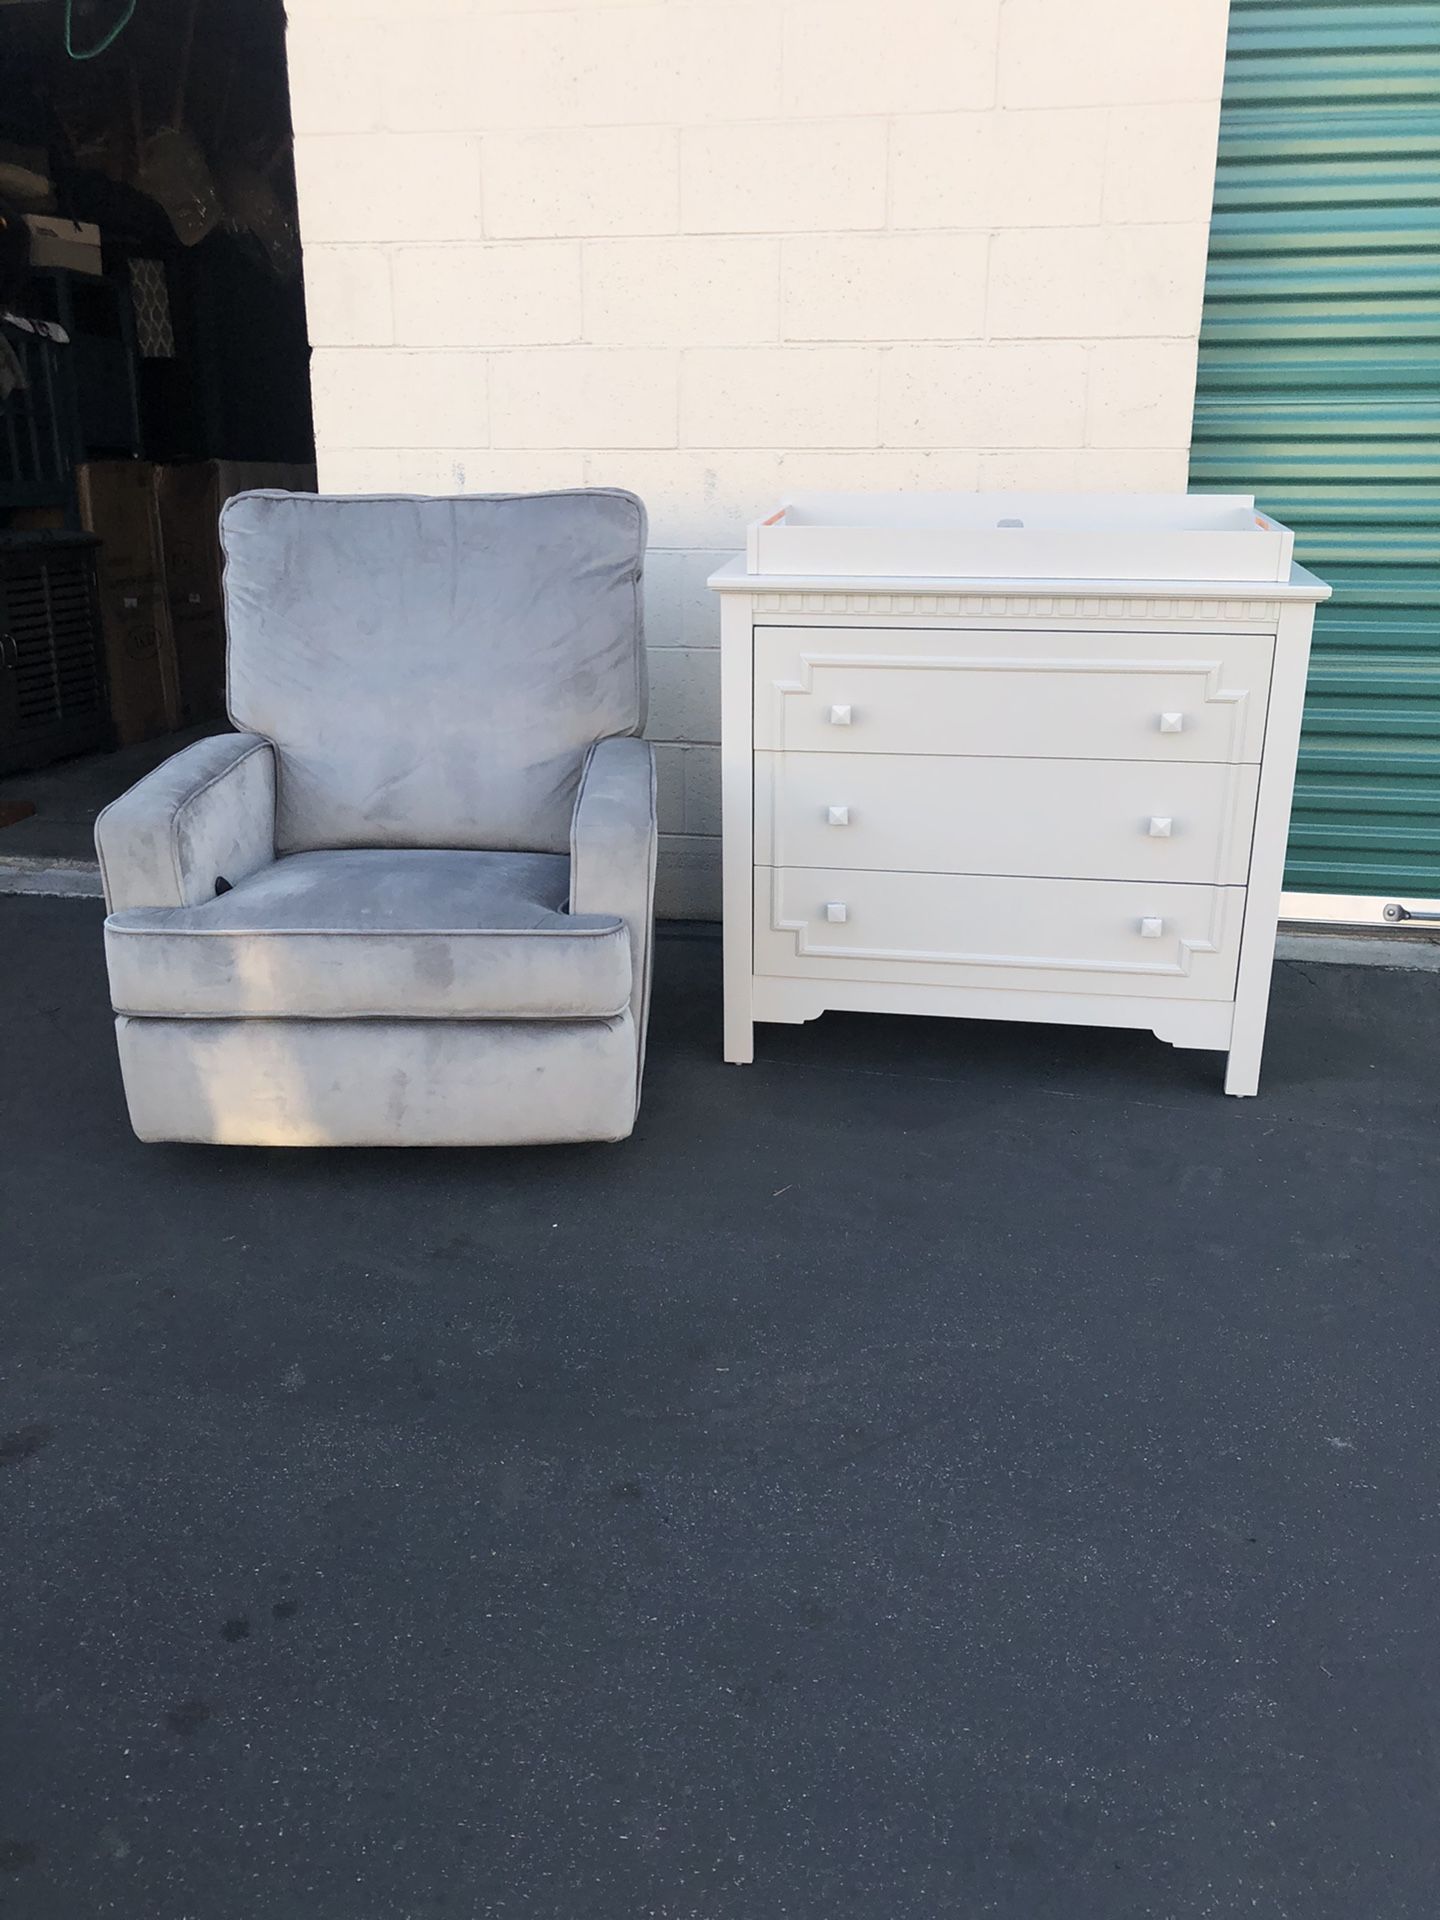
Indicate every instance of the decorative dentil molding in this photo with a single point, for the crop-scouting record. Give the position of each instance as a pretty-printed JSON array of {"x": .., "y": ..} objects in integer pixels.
[{"x": 1193, "y": 612}]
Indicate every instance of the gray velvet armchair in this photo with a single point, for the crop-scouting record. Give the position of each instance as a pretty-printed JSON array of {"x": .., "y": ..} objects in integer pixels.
[{"x": 411, "y": 902}]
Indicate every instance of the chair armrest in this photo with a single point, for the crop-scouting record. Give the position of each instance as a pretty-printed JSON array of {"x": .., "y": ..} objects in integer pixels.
[
  {"x": 206, "y": 814},
  {"x": 612, "y": 852}
]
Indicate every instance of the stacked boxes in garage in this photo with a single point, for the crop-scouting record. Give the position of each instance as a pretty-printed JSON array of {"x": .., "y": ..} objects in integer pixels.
[
  {"x": 117, "y": 505},
  {"x": 160, "y": 566},
  {"x": 189, "y": 499}
]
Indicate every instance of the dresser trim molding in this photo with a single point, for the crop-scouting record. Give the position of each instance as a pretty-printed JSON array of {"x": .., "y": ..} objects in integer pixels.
[{"x": 1100, "y": 608}]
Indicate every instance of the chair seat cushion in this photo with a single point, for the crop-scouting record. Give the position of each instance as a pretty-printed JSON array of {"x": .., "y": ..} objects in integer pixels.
[{"x": 370, "y": 933}]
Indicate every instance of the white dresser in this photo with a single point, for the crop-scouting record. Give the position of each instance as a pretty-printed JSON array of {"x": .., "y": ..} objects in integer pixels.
[{"x": 1016, "y": 757}]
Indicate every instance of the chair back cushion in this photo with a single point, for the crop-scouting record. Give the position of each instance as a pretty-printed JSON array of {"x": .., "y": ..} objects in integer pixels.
[{"x": 431, "y": 671}]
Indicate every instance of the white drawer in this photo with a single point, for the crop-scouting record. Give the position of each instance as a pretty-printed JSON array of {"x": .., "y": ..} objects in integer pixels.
[
  {"x": 1101, "y": 696},
  {"x": 1082, "y": 819},
  {"x": 1071, "y": 936}
]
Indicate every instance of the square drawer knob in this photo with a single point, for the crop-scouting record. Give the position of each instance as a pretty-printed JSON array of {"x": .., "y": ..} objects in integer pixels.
[
  {"x": 840, "y": 716},
  {"x": 1151, "y": 929},
  {"x": 837, "y": 911},
  {"x": 838, "y": 816},
  {"x": 1161, "y": 826},
  {"x": 1172, "y": 723}
]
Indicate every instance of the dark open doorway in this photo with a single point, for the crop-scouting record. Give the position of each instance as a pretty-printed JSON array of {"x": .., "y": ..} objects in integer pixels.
[{"x": 153, "y": 352}]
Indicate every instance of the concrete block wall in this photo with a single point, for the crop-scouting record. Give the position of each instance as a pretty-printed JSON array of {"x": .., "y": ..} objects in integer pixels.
[{"x": 718, "y": 249}]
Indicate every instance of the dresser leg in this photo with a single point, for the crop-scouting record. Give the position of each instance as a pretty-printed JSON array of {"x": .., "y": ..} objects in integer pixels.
[
  {"x": 1242, "y": 1069},
  {"x": 739, "y": 1039},
  {"x": 739, "y": 1004}
]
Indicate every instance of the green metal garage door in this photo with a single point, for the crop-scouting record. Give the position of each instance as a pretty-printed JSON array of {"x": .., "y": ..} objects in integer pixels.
[{"x": 1319, "y": 392}]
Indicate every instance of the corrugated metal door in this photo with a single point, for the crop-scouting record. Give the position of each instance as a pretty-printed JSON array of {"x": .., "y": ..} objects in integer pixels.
[{"x": 1319, "y": 391}]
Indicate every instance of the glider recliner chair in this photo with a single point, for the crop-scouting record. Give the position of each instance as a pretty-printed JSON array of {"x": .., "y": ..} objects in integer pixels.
[{"x": 410, "y": 904}]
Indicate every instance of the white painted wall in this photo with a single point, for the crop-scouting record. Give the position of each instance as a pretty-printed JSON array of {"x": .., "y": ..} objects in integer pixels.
[{"x": 715, "y": 249}]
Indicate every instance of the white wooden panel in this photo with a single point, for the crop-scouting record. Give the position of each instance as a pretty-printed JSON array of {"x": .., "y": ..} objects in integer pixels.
[
  {"x": 1084, "y": 819},
  {"x": 1012, "y": 694},
  {"x": 1023, "y": 537},
  {"x": 1029, "y": 935},
  {"x": 1184, "y": 1023},
  {"x": 1272, "y": 828},
  {"x": 737, "y": 800}
]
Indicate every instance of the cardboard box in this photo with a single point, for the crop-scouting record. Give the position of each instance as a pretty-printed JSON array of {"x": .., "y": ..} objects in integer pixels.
[
  {"x": 188, "y": 508},
  {"x": 117, "y": 503},
  {"x": 189, "y": 499},
  {"x": 63, "y": 243}
]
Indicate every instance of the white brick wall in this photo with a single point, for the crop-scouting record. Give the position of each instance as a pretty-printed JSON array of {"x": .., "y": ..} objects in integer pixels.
[{"x": 718, "y": 249}]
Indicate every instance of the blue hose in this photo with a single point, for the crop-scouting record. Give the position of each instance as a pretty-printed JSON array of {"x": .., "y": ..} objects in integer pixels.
[{"x": 109, "y": 39}]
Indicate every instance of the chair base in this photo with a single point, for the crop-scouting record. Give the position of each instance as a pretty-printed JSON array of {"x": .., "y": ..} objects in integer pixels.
[{"x": 380, "y": 1083}]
